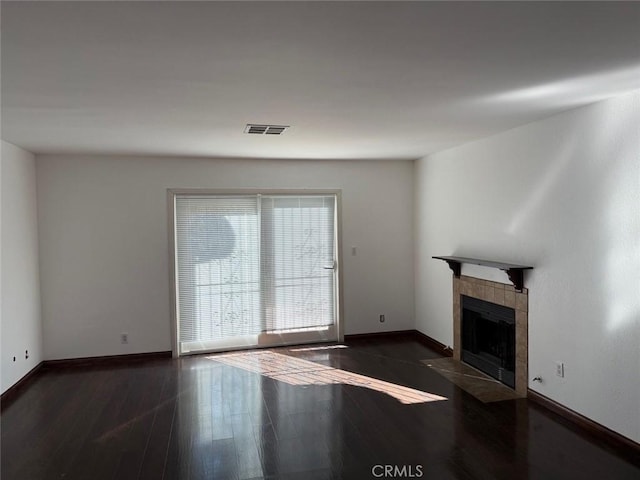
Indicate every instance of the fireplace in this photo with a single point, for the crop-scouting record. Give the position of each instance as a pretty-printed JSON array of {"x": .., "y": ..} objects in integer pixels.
[
  {"x": 489, "y": 338},
  {"x": 498, "y": 295}
]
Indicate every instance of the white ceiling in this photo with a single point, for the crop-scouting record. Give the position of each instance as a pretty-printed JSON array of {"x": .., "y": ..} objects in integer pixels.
[{"x": 354, "y": 80}]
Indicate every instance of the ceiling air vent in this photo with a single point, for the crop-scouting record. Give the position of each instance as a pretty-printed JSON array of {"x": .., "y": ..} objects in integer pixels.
[{"x": 265, "y": 129}]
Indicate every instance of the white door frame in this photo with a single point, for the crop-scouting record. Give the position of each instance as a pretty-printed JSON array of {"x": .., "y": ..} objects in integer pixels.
[{"x": 171, "y": 209}]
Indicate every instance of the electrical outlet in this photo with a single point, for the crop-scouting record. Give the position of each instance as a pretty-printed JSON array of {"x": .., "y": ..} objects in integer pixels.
[
  {"x": 560, "y": 369},
  {"x": 381, "y": 318},
  {"x": 26, "y": 354},
  {"x": 124, "y": 338}
]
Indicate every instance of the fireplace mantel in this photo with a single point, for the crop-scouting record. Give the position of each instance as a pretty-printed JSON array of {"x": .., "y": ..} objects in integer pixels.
[{"x": 514, "y": 272}]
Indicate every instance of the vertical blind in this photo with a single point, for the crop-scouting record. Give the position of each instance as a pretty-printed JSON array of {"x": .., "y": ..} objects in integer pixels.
[{"x": 252, "y": 264}]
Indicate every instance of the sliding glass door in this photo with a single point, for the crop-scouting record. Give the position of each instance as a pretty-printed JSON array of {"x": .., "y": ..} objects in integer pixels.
[{"x": 254, "y": 270}]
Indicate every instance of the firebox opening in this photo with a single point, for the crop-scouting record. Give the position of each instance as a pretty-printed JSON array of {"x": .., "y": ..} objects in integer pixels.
[{"x": 488, "y": 338}]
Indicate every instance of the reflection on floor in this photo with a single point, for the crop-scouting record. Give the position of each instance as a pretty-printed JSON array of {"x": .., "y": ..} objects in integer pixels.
[
  {"x": 296, "y": 371},
  {"x": 482, "y": 386}
]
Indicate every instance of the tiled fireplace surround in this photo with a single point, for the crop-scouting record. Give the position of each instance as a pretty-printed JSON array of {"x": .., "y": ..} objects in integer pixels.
[{"x": 500, "y": 294}]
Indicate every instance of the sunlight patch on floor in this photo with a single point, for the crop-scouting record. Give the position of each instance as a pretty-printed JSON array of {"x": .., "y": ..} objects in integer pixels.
[{"x": 296, "y": 371}]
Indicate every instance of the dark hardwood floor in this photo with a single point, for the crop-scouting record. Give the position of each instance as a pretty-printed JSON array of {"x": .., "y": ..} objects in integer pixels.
[{"x": 202, "y": 418}]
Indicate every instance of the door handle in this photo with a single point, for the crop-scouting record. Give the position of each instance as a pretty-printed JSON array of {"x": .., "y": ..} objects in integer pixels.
[{"x": 330, "y": 267}]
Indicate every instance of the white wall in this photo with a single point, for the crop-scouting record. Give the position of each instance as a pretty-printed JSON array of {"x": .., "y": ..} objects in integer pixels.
[
  {"x": 104, "y": 249},
  {"x": 20, "y": 322},
  {"x": 562, "y": 195}
]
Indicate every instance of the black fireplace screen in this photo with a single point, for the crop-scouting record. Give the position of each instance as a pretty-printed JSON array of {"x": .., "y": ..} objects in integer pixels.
[{"x": 489, "y": 338}]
